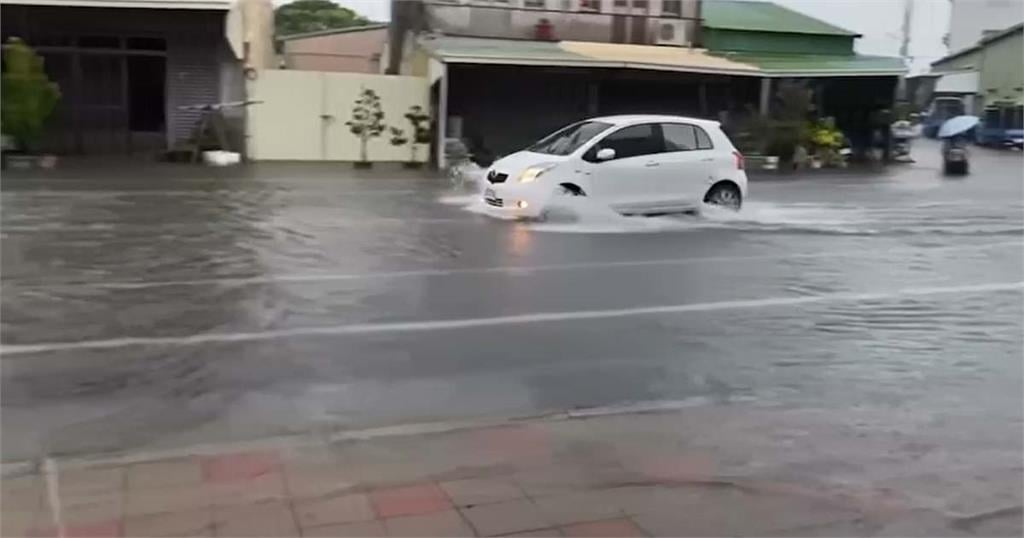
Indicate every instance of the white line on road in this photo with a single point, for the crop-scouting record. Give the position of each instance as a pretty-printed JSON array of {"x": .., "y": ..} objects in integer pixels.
[
  {"x": 521, "y": 319},
  {"x": 514, "y": 270},
  {"x": 201, "y": 192}
]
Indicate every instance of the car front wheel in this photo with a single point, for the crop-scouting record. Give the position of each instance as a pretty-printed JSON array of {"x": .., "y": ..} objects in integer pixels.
[{"x": 724, "y": 195}]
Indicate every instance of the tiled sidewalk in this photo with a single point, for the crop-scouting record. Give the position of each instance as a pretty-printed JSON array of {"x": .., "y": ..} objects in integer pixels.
[{"x": 598, "y": 477}]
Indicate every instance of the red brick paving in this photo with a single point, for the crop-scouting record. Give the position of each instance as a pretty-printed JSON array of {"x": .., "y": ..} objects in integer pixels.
[
  {"x": 610, "y": 528},
  {"x": 410, "y": 500},
  {"x": 240, "y": 466},
  {"x": 104, "y": 529}
]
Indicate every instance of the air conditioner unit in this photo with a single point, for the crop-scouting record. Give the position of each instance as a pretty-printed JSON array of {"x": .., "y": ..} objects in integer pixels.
[{"x": 671, "y": 32}]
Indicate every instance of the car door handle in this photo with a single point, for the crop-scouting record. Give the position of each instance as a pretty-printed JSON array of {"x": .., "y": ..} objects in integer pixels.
[
  {"x": 709, "y": 159},
  {"x": 652, "y": 164}
]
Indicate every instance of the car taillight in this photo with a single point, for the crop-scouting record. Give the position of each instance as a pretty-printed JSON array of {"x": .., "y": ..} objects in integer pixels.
[{"x": 739, "y": 160}]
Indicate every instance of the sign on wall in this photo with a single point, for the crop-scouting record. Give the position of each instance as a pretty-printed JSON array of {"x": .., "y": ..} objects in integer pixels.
[{"x": 320, "y": 116}]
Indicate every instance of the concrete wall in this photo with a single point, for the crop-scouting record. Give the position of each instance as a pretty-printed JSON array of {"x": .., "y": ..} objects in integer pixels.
[
  {"x": 969, "y": 19},
  {"x": 303, "y": 114},
  {"x": 353, "y": 52},
  {"x": 1002, "y": 70},
  {"x": 569, "y": 22}
]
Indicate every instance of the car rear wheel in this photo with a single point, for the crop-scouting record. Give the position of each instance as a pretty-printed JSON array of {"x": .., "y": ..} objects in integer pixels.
[{"x": 725, "y": 195}]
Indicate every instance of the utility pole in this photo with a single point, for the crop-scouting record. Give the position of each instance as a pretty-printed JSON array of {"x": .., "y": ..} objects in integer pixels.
[{"x": 908, "y": 16}]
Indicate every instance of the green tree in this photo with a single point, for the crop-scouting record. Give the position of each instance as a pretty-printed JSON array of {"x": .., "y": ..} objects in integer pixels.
[
  {"x": 303, "y": 16},
  {"x": 367, "y": 119},
  {"x": 28, "y": 95}
]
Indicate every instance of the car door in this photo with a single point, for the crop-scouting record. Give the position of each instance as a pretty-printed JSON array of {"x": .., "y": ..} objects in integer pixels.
[
  {"x": 688, "y": 164},
  {"x": 629, "y": 182}
]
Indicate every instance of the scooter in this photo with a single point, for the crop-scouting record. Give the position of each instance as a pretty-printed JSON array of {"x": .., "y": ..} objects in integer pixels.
[
  {"x": 955, "y": 157},
  {"x": 955, "y": 161}
]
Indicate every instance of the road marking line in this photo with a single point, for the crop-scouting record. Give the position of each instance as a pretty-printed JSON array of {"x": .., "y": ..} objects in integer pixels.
[
  {"x": 520, "y": 319},
  {"x": 515, "y": 270},
  {"x": 53, "y": 494},
  {"x": 200, "y": 192}
]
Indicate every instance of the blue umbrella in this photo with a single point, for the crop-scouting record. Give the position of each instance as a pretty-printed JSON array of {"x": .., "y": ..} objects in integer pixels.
[{"x": 957, "y": 125}]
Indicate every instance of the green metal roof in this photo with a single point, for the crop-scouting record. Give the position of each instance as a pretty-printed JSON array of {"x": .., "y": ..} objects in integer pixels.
[
  {"x": 819, "y": 64},
  {"x": 764, "y": 17}
]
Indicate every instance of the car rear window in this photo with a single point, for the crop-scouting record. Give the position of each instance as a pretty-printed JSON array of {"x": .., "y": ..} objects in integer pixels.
[{"x": 685, "y": 137}]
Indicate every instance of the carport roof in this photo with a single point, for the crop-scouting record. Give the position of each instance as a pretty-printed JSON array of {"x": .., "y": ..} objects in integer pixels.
[
  {"x": 810, "y": 65},
  {"x": 454, "y": 49}
]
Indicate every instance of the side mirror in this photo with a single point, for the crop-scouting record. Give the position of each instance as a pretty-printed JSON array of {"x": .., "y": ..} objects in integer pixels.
[{"x": 605, "y": 154}]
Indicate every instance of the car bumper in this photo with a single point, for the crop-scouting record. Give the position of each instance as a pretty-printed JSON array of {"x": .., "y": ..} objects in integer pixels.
[{"x": 514, "y": 200}]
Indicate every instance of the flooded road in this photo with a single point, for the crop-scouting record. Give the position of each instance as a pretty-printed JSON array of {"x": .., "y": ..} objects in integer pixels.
[{"x": 176, "y": 306}]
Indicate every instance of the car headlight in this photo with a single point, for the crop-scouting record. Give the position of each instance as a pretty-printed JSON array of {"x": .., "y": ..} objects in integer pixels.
[{"x": 532, "y": 173}]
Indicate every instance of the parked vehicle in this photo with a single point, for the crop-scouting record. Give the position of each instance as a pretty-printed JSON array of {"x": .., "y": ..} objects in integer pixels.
[
  {"x": 1002, "y": 126},
  {"x": 639, "y": 164}
]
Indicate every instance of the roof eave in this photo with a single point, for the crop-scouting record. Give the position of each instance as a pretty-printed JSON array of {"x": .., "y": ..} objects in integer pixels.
[
  {"x": 776, "y": 31},
  {"x": 465, "y": 59},
  {"x": 334, "y": 31}
]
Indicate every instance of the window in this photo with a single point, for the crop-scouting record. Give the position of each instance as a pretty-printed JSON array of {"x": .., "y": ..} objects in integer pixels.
[
  {"x": 569, "y": 139},
  {"x": 672, "y": 7},
  {"x": 590, "y": 5},
  {"x": 631, "y": 141},
  {"x": 145, "y": 43},
  {"x": 99, "y": 42},
  {"x": 639, "y": 4},
  {"x": 703, "y": 140},
  {"x": 533, "y": 4},
  {"x": 683, "y": 137}
]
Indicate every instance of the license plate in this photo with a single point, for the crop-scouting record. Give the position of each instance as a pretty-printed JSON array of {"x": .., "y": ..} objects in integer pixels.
[{"x": 489, "y": 194}]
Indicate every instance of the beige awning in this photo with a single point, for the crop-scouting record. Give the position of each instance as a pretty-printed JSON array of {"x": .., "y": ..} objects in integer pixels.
[{"x": 654, "y": 57}]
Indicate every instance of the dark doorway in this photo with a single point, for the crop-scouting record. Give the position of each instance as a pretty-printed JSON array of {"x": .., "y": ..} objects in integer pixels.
[{"x": 146, "y": 98}]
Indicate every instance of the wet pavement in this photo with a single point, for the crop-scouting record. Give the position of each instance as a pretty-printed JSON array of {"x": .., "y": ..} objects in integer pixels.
[{"x": 170, "y": 306}]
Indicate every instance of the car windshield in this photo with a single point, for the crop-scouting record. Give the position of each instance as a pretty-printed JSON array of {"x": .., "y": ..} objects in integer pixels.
[{"x": 569, "y": 139}]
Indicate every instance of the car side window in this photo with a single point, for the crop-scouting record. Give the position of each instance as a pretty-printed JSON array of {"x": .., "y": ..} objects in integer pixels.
[
  {"x": 632, "y": 141},
  {"x": 685, "y": 137}
]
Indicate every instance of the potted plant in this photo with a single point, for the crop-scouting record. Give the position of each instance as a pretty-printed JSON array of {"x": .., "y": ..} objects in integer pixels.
[
  {"x": 367, "y": 122},
  {"x": 397, "y": 137},
  {"x": 827, "y": 140},
  {"x": 420, "y": 122},
  {"x": 28, "y": 100}
]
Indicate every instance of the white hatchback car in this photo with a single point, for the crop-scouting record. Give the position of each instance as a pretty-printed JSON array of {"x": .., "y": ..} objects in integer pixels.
[{"x": 640, "y": 164}]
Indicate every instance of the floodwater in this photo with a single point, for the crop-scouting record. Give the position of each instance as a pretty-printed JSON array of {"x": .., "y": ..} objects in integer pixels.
[{"x": 173, "y": 306}]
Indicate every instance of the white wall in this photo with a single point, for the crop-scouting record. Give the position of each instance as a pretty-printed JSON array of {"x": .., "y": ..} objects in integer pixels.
[{"x": 303, "y": 113}]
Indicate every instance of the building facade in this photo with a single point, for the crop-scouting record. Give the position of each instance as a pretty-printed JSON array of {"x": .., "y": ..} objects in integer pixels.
[
  {"x": 125, "y": 69},
  {"x": 505, "y": 73},
  {"x": 351, "y": 50},
  {"x": 995, "y": 65}
]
